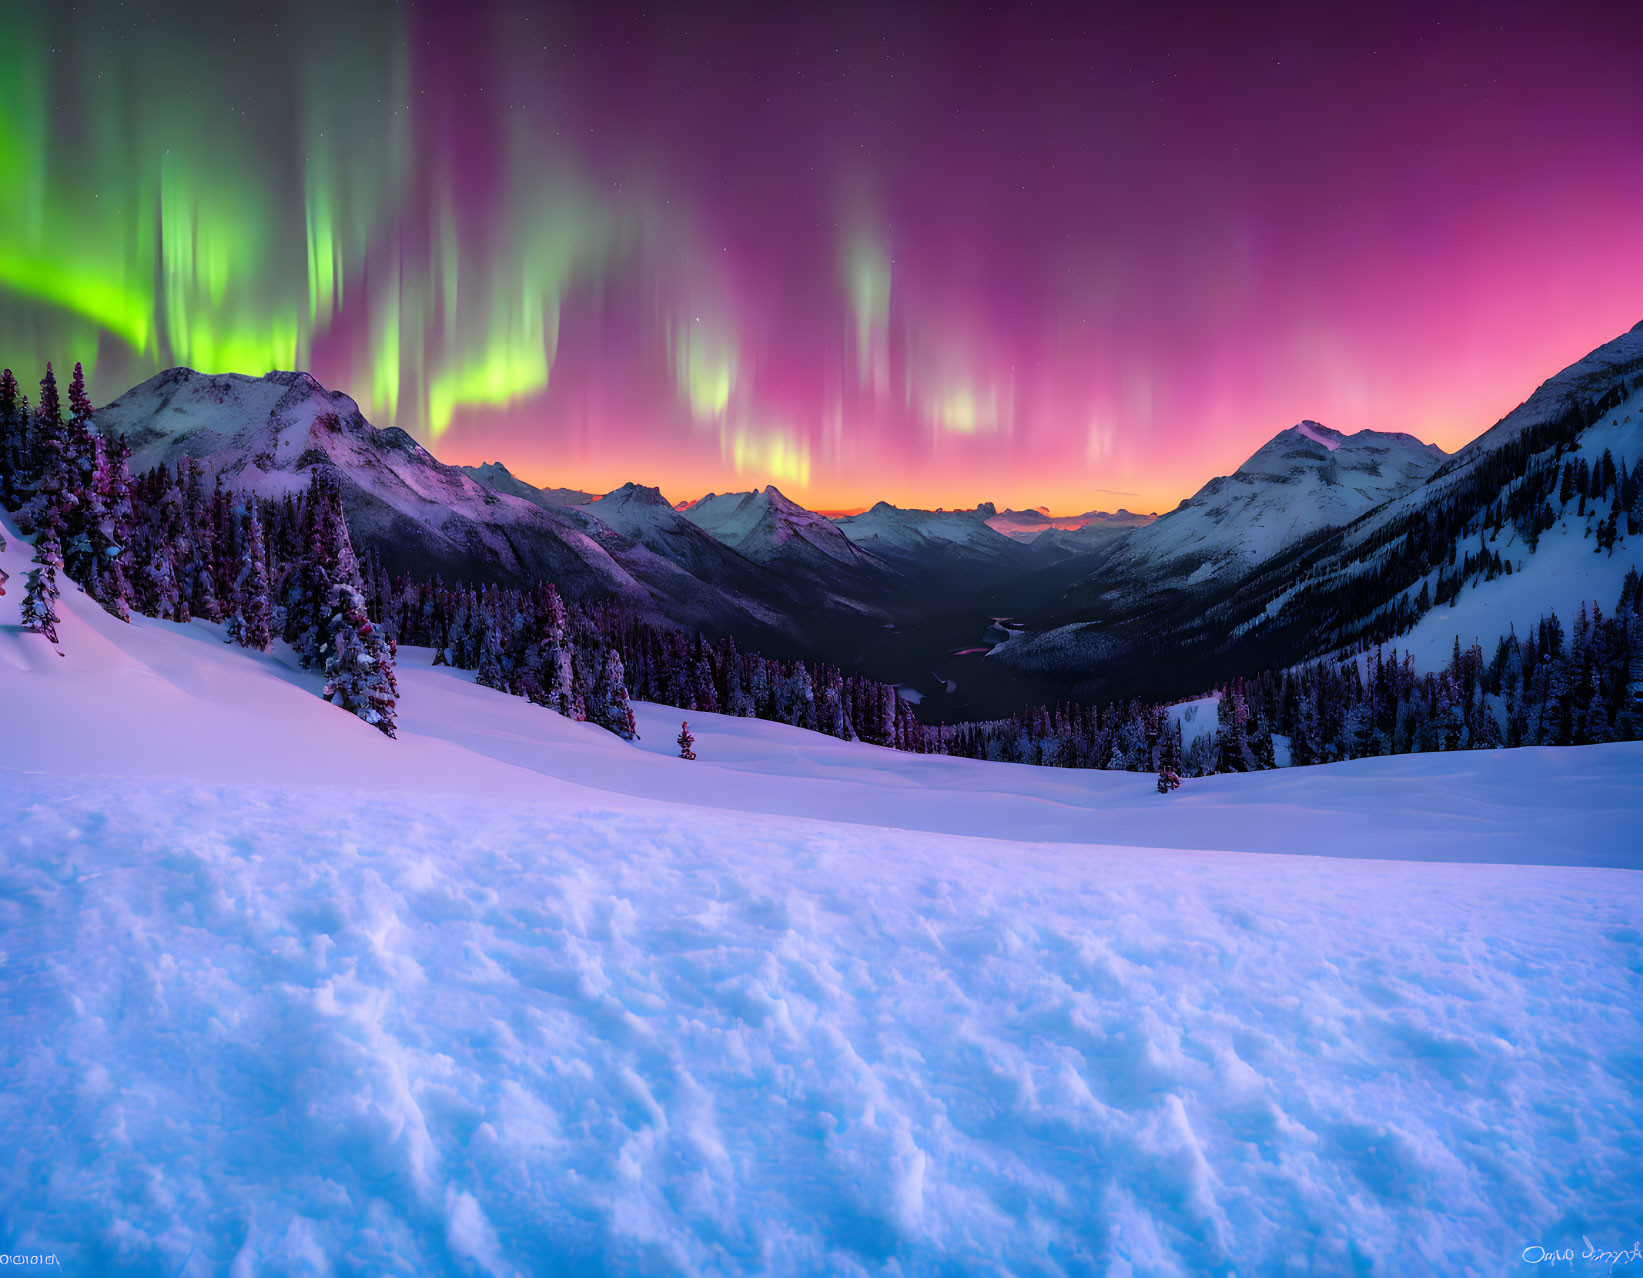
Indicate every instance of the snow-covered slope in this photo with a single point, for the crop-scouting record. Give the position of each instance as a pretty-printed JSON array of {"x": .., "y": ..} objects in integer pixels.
[
  {"x": 1306, "y": 478},
  {"x": 1583, "y": 381},
  {"x": 262, "y": 434},
  {"x": 509, "y": 996},
  {"x": 1565, "y": 571},
  {"x": 497, "y": 476}
]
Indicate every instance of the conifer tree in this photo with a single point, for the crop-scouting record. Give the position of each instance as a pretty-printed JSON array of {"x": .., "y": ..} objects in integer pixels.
[
  {"x": 607, "y": 702},
  {"x": 359, "y": 665},
  {"x": 52, "y": 466},
  {"x": 492, "y": 670},
  {"x": 79, "y": 403},
  {"x": 49, "y": 415},
  {"x": 114, "y": 529},
  {"x": 552, "y": 674},
  {"x": 41, "y": 595},
  {"x": 319, "y": 564},
  {"x": 251, "y": 604},
  {"x": 1169, "y": 758},
  {"x": 13, "y": 441},
  {"x": 159, "y": 595}
]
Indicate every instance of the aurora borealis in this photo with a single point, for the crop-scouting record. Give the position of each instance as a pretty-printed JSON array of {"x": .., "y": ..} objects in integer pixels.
[{"x": 934, "y": 254}]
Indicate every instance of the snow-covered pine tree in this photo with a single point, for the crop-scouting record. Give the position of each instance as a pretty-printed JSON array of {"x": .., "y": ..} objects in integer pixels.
[
  {"x": 1169, "y": 753},
  {"x": 1233, "y": 748},
  {"x": 736, "y": 699},
  {"x": 830, "y": 710},
  {"x": 13, "y": 441},
  {"x": 159, "y": 586},
  {"x": 607, "y": 703},
  {"x": 83, "y": 515},
  {"x": 115, "y": 526},
  {"x": 797, "y": 698},
  {"x": 41, "y": 595},
  {"x": 324, "y": 559},
  {"x": 51, "y": 466},
  {"x": 79, "y": 403},
  {"x": 359, "y": 665},
  {"x": 48, "y": 416},
  {"x": 159, "y": 596},
  {"x": 552, "y": 675},
  {"x": 492, "y": 670},
  {"x": 252, "y": 610},
  {"x": 703, "y": 694},
  {"x": 686, "y": 741}
]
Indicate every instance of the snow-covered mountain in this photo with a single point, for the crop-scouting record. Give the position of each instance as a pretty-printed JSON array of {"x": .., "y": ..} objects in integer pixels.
[
  {"x": 1584, "y": 423},
  {"x": 771, "y": 528},
  {"x": 497, "y": 476},
  {"x": 264, "y": 434},
  {"x": 642, "y": 513},
  {"x": 1536, "y": 515},
  {"x": 926, "y": 540},
  {"x": 1028, "y": 525},
  {"x": 1306, "y": 478}
]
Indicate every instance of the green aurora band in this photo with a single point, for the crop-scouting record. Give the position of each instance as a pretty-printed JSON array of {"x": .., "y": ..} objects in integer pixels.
[{"x": 279, "y": 203}]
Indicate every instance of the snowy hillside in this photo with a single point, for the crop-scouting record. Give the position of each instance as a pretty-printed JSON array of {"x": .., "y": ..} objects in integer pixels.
[
  {"x": 1304, "y": 479},
  {"x": 1584, "y": 380},
  {"x": 1585, "y": 548},
  {"x": 509, "y": 996}
]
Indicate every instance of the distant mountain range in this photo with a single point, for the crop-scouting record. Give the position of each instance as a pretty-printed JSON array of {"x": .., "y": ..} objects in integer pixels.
[
  {"x": 1324, "y": 543},
  {"x": 264, "y": 434},
  {"x": 1025, "y": 525},
  {"x": 1308, "y": 546}
]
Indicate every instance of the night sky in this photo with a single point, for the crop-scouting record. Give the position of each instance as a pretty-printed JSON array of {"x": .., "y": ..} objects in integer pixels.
[{"x": 1028, "y": 254}]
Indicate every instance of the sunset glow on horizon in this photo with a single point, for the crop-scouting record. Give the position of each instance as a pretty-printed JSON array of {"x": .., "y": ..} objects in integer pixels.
[{"x": 931, "y": 255}]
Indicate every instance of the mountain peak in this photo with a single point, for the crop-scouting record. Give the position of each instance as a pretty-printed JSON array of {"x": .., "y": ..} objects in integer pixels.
[
  {"x": 637, "y": 495},
  {"x": 1309, "y": 445},
  {"x": 1319, "y": 434}
]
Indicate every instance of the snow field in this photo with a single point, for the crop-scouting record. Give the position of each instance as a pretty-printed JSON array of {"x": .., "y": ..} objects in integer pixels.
[{"x": 308, "y": 1031}]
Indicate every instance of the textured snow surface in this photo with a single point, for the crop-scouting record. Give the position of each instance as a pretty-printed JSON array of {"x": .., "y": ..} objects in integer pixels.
[
  {"x": 522, "y": 999},
  {"x": 408, "y": 1036}
]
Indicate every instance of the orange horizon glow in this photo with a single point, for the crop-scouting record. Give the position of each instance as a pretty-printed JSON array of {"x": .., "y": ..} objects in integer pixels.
[{"x": 1454, "y": 408}]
